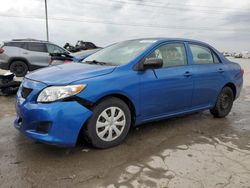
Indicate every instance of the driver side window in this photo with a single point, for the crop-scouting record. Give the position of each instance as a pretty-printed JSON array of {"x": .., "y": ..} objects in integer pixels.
[
  {"x": 173, "y": 54},
  {"x": 53, "y": 49}
]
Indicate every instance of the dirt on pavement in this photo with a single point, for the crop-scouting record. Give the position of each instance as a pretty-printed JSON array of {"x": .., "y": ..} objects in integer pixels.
[{"x": 196, "y": 150}]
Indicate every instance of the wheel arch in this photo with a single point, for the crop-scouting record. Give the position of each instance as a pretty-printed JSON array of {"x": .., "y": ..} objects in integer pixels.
[
  {"x": 231, "y": 86},
  {"x": 120, "y": 96},
  {"x": 125, "y": 99},
  {"x": 11, "y": 60}
]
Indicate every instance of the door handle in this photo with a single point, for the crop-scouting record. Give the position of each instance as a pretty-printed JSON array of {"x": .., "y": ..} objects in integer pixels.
[
  {"x": 187, "y": 74},
  {"x": 220, "y": 70},
  {"x": 25, "y": 52}
]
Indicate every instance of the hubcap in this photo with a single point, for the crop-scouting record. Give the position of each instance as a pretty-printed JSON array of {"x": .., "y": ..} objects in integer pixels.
[{"x": 110, "y": 124}]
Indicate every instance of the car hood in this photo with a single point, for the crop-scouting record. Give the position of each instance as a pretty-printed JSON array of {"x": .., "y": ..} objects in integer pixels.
[{"x": 68, "y": 73}]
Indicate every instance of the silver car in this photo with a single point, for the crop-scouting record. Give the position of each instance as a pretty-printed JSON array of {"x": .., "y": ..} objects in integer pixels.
[{"x": 23, "y": 55}]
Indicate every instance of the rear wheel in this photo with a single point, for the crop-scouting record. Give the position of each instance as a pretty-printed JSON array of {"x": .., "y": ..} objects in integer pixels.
[
  {"x": 19, "y": 68},
  {"x": 224, "y": 103},
  {"x": 109, "y": 124}
]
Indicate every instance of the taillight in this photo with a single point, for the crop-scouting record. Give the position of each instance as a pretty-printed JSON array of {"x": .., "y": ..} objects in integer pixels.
[
  {"x": 67, "y": 61},
  {"x": 241, "y": 71},
  {"x": 1, "y": 50}
]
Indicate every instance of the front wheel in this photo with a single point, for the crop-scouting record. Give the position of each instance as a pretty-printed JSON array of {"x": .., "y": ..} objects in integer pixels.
[
  {"x": 109, "y": 124},
  {"x": 224, "y": 103}
]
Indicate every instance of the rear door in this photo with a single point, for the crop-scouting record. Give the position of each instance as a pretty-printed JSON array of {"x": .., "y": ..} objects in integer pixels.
[
  {"x": 167, "y": 90},
  {"x": 36, "y": 53},
  {"x": 208, "y": 75}
]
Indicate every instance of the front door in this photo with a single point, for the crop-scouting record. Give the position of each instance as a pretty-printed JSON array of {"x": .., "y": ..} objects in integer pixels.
[{"x": 167, "y": 90}]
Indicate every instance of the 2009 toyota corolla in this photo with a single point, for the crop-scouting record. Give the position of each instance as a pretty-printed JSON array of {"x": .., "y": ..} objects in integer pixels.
[{"x": 125, "y": 84}]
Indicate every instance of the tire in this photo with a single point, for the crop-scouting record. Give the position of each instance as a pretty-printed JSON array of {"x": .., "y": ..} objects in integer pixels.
[
  {"x": 19, "y": 68},
  {"x": 224, "y": 103},
  {"x": 101, "y": 130}
]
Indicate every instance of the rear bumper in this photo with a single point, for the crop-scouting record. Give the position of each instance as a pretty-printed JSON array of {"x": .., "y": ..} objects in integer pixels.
[
  {"x": 239, "y": 84},
  {"x": 238, "y": 89}
]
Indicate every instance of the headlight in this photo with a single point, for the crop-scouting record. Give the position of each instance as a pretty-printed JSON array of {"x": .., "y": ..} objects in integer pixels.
[{"x": 54, "y": 93}]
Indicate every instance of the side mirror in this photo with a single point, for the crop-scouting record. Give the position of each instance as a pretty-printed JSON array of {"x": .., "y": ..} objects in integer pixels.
[
  {"x": 152, "y": 63},
  {"x": 67, "y": 53}
]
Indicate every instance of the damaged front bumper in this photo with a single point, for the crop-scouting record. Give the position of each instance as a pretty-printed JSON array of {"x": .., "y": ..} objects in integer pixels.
[{"x": 58, "y": 123}]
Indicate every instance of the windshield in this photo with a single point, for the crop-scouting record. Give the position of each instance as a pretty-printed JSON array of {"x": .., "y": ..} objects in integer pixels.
[{"x": 120, "y": 53}]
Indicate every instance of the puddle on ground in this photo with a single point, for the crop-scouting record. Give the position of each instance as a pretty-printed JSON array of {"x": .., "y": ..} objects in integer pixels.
[{"x": 211, "y": 164}]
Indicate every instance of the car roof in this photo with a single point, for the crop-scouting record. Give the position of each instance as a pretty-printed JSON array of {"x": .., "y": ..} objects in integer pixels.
[
  {"x": 165, "y": 39},
  {"x": 26, "y": 40},
  {"x": 32, "y": 40}
]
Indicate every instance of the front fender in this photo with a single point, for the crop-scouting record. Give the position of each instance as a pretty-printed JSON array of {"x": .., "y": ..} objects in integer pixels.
[{"x": 126, "y": 84}]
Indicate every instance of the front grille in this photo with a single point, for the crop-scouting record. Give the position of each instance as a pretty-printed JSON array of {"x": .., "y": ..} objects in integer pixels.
[{"x": 25, "y": 92}]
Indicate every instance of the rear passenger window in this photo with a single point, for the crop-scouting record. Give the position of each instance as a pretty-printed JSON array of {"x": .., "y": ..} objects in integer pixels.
[
  {"x": 37, "y": 47},
  {"x": 172, "y": 54},
  {"x": 201, "y": 54},
  {"x": 15, "y": 44}
]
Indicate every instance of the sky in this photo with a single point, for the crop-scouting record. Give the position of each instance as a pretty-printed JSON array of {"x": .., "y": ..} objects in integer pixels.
[{"x": 224, "y": 24}]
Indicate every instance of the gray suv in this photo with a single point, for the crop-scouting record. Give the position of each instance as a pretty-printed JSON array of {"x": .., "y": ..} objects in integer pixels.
[{"x": 23, "y": 55}]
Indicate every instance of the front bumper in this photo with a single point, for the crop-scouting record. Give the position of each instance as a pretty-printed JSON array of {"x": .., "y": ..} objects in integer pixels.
[
  {"x": 63, "y": 120},
  {"x": 4, "y": 65}
]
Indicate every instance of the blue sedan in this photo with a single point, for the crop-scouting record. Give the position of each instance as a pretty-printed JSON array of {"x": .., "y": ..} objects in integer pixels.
[{"x": 124, "y": 85}]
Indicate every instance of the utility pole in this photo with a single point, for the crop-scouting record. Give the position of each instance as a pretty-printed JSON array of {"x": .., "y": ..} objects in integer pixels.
[{"x": 46, "y": 17}]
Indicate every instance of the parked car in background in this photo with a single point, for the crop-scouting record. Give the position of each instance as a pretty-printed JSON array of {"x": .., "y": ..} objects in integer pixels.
[
  {"x": 57, "y": 59},
  {"x": 124, "y": 85},
  {"x": 245, "y": 54},
  {"x": 83, "y": 45},
  {"x": 23, "y": 55},
  {"x": 226, "y": 54},
  {"x": 237, "y": 55},
  {"x": 9, "y": 84},
  {"x": 80, "y": 45}
]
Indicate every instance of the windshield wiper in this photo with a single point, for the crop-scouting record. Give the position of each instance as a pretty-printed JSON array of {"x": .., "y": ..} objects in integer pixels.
[{"x": 96, "y": 62}]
